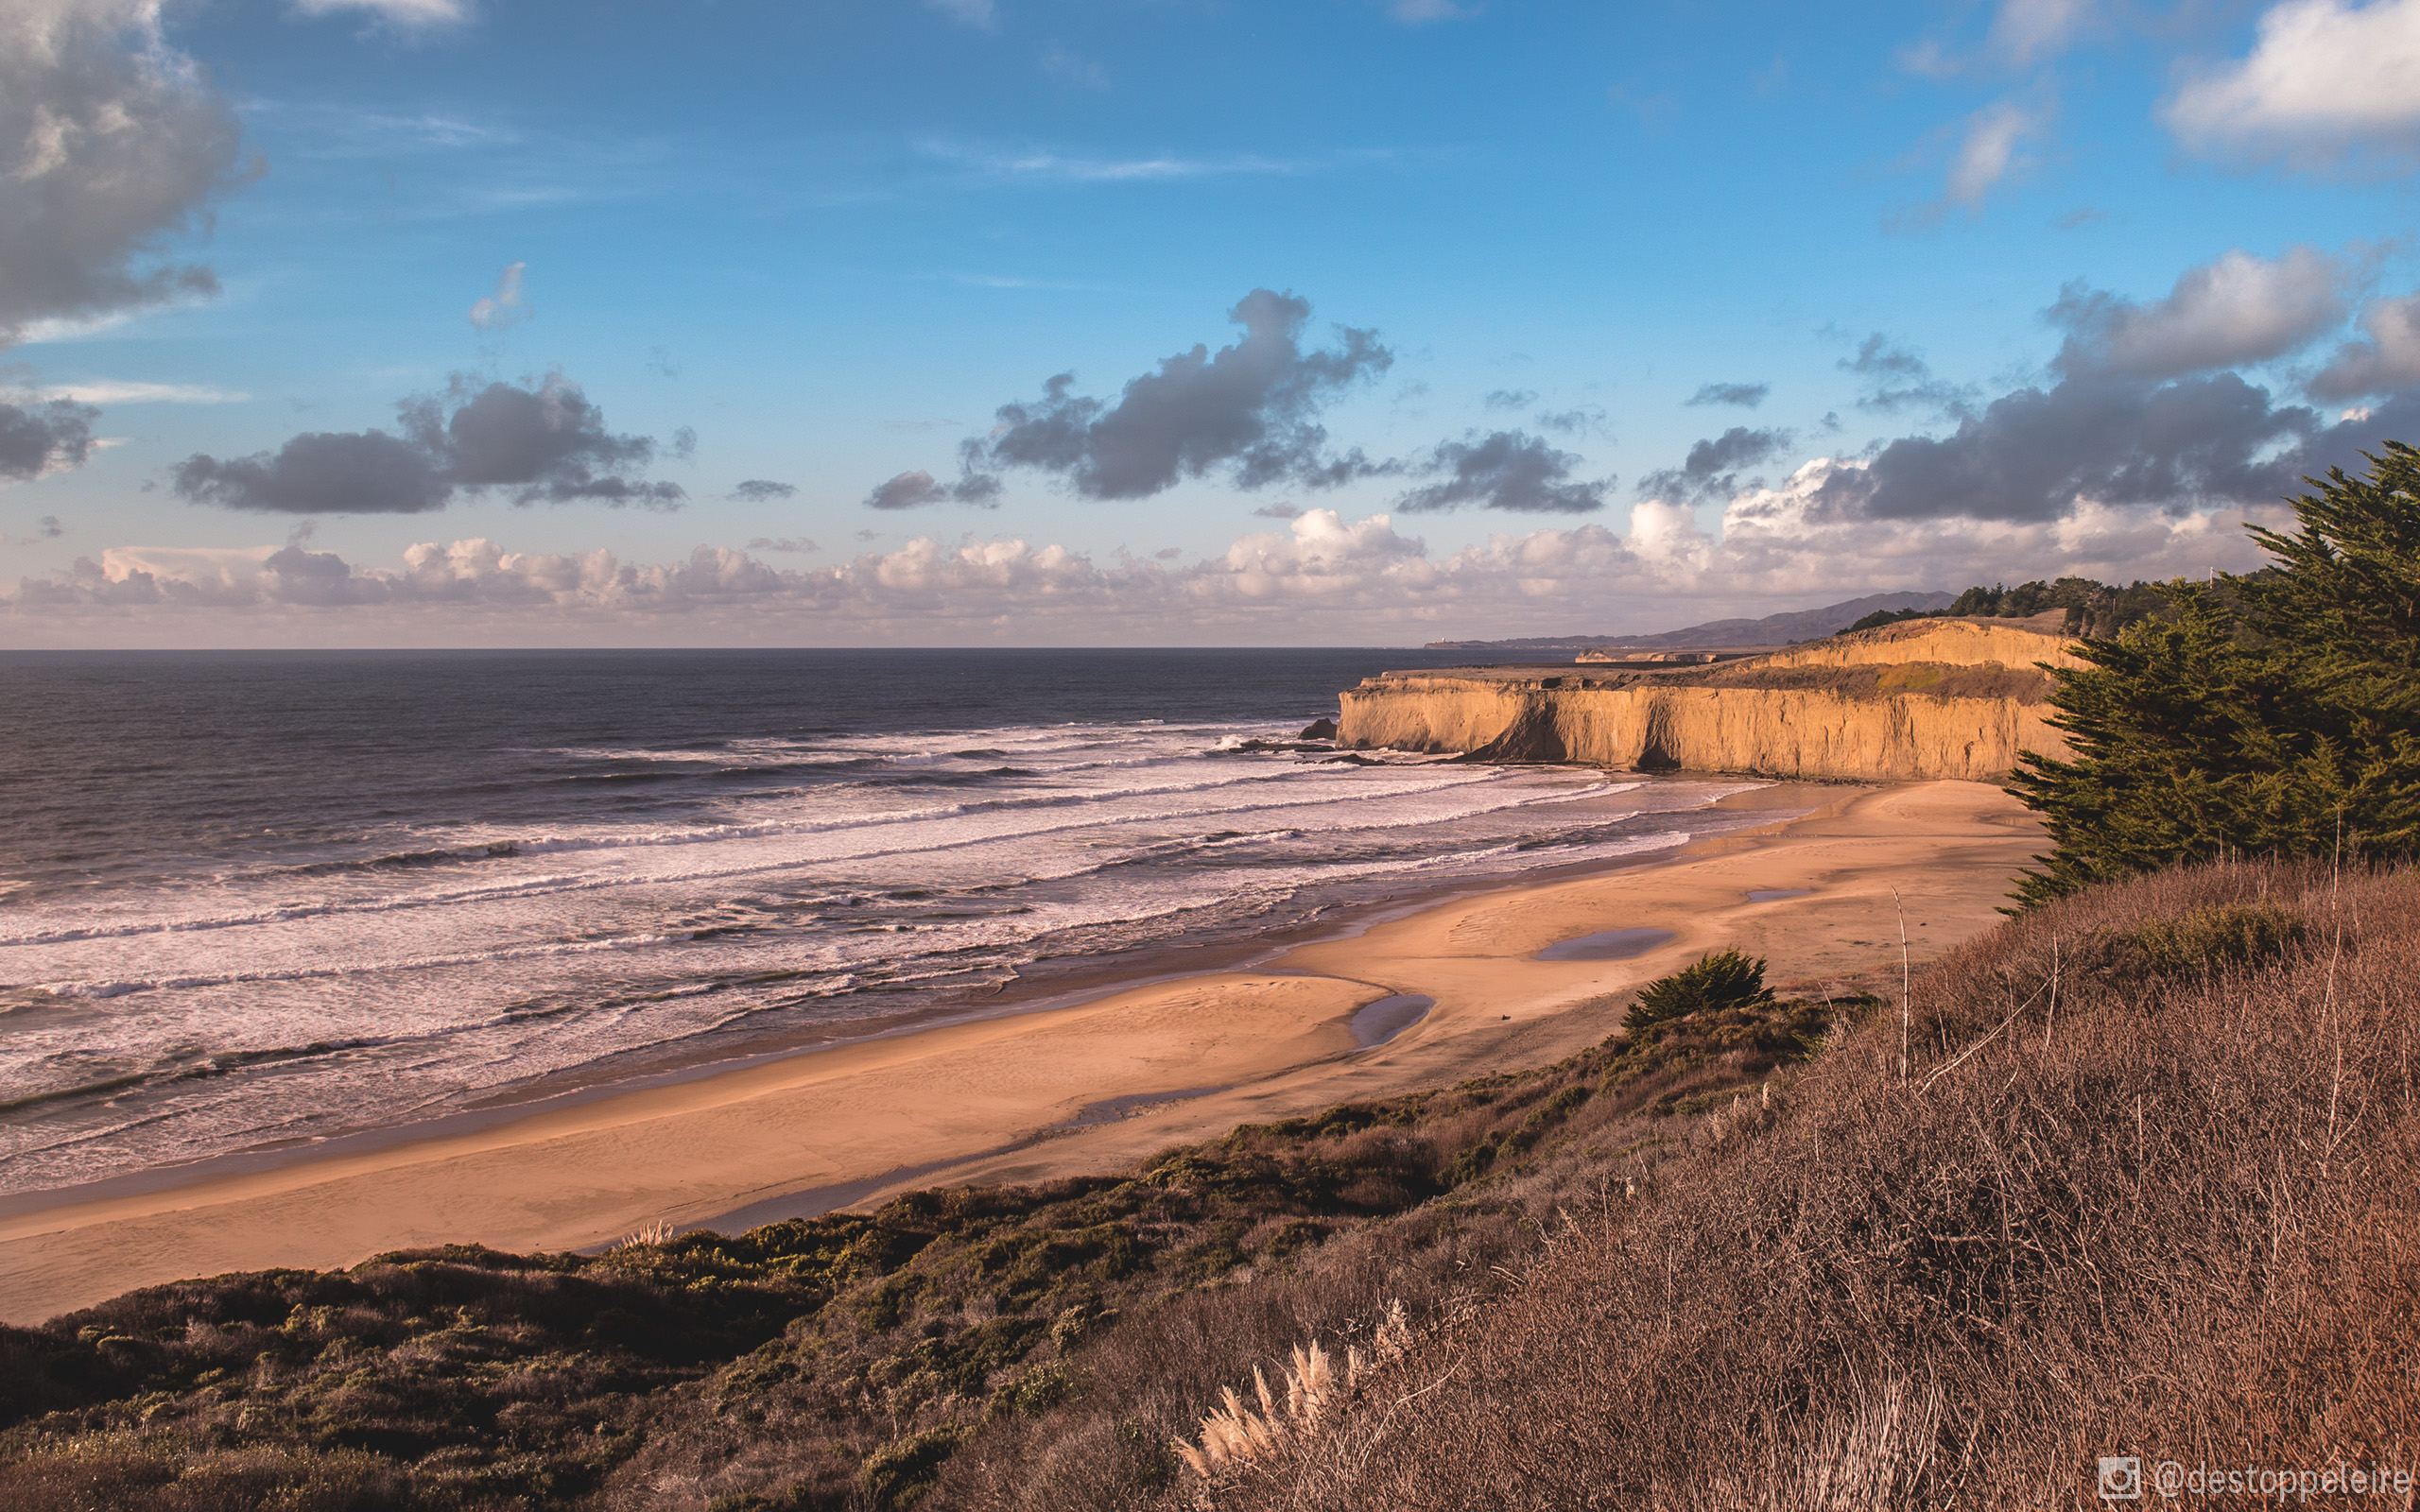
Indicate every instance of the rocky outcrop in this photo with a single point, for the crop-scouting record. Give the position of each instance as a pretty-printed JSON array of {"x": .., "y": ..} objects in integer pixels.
[{"x": 1920, "y": 700}]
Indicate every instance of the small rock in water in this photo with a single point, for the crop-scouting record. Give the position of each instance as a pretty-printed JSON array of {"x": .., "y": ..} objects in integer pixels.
[{"x": 1320, "y": 729}]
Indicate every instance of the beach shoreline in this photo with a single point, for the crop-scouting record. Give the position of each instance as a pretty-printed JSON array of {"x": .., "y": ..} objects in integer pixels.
[{"x": 1001, "y": 1097}]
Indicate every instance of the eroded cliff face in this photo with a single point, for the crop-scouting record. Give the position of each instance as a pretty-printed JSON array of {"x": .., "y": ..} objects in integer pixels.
[{"x": 1925, "y": 700}]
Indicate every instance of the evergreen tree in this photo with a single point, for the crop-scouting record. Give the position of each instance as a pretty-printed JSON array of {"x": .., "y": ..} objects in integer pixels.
[{"x": 2276, "y": 713}]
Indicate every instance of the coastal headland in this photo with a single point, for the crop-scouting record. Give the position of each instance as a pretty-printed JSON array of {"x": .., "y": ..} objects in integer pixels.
[
  {"x": 1920, "y": 700},
  {"x": 1089, "y": 1085}
]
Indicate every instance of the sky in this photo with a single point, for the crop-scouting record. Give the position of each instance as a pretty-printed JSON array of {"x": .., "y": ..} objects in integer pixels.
[{"x": 1069, "y": 322}]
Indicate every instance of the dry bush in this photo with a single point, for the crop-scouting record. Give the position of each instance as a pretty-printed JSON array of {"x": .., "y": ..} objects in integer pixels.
[{"x": 2130, "y": 1198}]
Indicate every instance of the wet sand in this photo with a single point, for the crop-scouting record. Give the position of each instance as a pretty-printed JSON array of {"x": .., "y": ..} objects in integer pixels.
[{"x": 1087, "y": 1085}]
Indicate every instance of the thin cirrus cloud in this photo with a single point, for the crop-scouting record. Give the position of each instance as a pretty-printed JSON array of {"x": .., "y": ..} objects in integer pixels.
[
  {"x": 2325, "y": 83},
  {"x": 979, "y": 14},
  {"x": 544, "y": 442},
  {"x": 2027, "y": 32},
  {"x": 1041, "y": 165},
  {"x": 116, "y": 142},
  {"x": 111, "y": 391},
  {"x": 395, "y": 12},
  {"x": 507, "y": 306},
  {"x": 1987, "y": 150}
]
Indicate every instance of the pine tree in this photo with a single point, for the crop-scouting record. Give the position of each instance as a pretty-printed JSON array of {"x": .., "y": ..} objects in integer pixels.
[{"x": 2276, "y": 713}]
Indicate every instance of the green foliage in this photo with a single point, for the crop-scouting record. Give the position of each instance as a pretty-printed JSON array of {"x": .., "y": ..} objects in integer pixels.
[
  {"x": 898, "y": 1474},
  {"x": 2093, "y": 607},
  {"x": 1892, "y": 616},
  {"x": 2235, "y": 934},
  {"x": 1723, "y": 979},
  {"x": 2271, "y": 714}
]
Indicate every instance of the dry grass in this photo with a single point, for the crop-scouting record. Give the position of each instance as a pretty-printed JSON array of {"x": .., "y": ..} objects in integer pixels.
[{"x": 2152, "y": 1186}]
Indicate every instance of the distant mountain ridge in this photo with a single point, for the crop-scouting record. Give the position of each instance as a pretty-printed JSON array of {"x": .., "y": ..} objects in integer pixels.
[{"x": 1774, "y": 630}]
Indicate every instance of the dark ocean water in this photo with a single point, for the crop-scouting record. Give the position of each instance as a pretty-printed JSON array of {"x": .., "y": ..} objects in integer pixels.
[{"x": 250, "y": 898}]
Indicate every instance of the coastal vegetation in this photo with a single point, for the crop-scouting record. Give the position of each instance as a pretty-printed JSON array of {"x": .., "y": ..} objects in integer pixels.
[
  {"x": 2135, "y": 1174},
  {"x": 2274, "y": 713}
]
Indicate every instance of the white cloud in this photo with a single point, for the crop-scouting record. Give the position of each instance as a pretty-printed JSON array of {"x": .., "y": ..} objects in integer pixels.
[
  {"x": 1043, "y": 167},
  {"x": 2387, "y": 360},
  {"x": 505, "y": 307},
  {"x": 1989, "y": 150},
  {"x": 969, "y": 13},
  {"x": 1420, "y": 12},
  {"x": 2325, "y": 79},
  {"x": 1322, "y": 579},
  {"x": 398, "y": 13},
  {"x": 2238, "y": 309},
  {"x": 112, "y": 391},
  {"x": 2027, "y": 29}
]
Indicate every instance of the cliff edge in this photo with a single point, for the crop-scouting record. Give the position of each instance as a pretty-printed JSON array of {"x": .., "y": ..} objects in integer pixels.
[{"x": 1919, "y": 700}]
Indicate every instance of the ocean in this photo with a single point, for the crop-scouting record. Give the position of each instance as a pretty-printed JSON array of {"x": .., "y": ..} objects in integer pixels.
[{"x": 254, "y": 902}]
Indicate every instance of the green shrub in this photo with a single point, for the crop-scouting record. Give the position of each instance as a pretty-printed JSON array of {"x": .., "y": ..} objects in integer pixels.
[
  {"x": 1724, "y": 979},
  {"x": 2235, "y": 935},
  {"x": 897, "y": 1474}
]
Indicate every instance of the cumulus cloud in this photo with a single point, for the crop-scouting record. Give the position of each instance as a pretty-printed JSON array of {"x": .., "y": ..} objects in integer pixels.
[
  {"x": 506, "y": 306},
  {"x": 1746, "y": 396},
  {"x": 909, "y": 490},
  {"x": 2387, "y": 358},
  {"x": 1713, "y": 467},
  {"x": 110, "y": 142},
  {"x": 2239, "y": 309},
  {"x": 1320, "y": 575},
  {"x": 2111, "y": 441},
  {"x": 1511, "y": 399},
  {"x": 2326, "y": 81},
  {"x": 1506, "y": 470},
  {"x": 760, "y": 490},
  {"x": 546, "y": 443},
  {"x": 39, "y": 439},
  {"x": 1247, "y": 412}
]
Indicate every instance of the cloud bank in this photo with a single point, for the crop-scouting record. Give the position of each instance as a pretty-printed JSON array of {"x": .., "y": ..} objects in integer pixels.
[{"x": 1321, "y": 578}]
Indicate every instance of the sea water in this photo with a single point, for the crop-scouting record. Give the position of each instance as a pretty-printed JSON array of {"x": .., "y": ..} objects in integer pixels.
[{"x": 254, "y": 900}]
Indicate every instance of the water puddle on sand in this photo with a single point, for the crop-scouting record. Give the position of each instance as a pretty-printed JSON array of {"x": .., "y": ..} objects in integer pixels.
[
  {"x": 1774, "y": 895},
  {"x": 1607, "y": 945},
  {"x": 1375, "y": 1024}
]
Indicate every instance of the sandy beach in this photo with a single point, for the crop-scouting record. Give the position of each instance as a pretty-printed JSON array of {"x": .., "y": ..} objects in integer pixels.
[{"x": 1005, "y": 1098}]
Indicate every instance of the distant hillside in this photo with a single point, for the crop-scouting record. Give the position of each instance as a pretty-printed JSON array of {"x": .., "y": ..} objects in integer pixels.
[{"x": 1774, "y": 630}]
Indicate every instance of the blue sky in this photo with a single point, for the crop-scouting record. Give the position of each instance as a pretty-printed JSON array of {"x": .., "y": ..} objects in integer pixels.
[{"x": 1569, "y": 317}]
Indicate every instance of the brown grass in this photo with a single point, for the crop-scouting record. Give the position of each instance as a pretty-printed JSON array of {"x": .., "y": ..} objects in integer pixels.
[{"x": 2174, "y": 1212}]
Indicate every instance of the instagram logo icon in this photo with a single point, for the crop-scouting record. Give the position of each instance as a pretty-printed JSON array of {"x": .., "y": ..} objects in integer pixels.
[{"x": 2121, "y": 1478}]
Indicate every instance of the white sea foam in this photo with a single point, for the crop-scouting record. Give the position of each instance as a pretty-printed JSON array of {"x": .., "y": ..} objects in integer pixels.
[{"x": 838, "y": 877}]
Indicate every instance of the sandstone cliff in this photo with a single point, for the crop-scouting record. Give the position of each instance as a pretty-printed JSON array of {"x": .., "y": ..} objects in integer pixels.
[{"x": 1919, "y": 700}]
